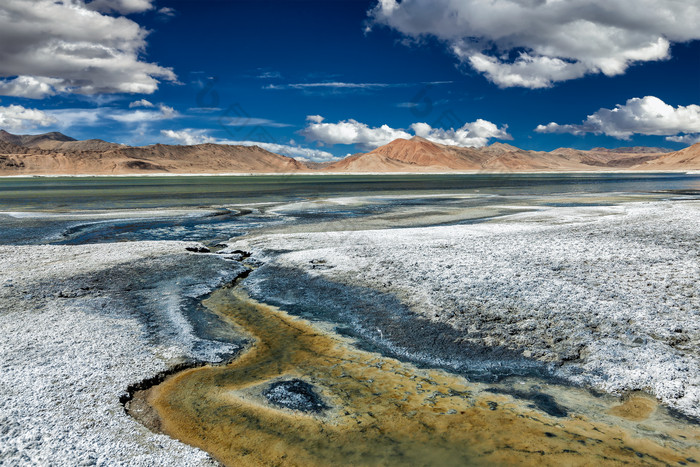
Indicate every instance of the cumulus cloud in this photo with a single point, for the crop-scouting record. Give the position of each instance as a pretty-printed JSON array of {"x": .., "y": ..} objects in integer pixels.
[
  {"x": 190, "y": 136},
  {"x": 295, "y": 151},
  {"x": 314, "y": 118},
  {"x": 16, "y": 118},
  {"x": 645, "y": 116},
  {"x": 30, "y": 86},
  {"x": 685, "y": 139},
  {"x": 49, "y": 47},
  {"x": 535, "y": 43},
  {"x": 141, "y": 103},
  {"x": 350, "y": 132},
  {"x": 474, "y": 134}
]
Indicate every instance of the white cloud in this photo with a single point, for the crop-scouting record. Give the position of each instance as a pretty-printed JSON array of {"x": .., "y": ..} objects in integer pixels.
[
  {"x": 646, "y": 116},
  {"x": 295, "y": 151},
  {"x": 474, "y": 134},
  {"x": 332, "y": 85},
  {"x": 124, "y": 7},
  {"x": 535, "y": 43},
  {"x": 685, "y": 139},
  {"x": 49, "y": 47},
  {"x": 314, "y": 118},
  {"x": 270, "y": 75},
  {"x": 141, "y": 103},
  {"x": 94, "y": 117},
  {"x": 351, "y": 132},
  {"x": 30, "y": 86},
  {"x": 71, "y": 117},
  {"x": 190, "y": 136},
  {"x": 167, "y": 11},
  {"x": 251, "y": 121},
  {"x": 140, "y": 116},
  {"x": 16, "y": 118}
]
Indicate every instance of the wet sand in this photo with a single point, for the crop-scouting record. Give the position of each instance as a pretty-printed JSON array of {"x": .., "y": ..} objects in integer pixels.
[{"x": 385, "y": 412}]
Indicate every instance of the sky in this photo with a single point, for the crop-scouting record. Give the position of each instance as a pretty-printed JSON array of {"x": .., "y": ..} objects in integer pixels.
[{"x": 319, "y": 80}]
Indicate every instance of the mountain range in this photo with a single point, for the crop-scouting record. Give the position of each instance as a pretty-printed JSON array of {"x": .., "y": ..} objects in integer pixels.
[{"x": 57, "y": 154}]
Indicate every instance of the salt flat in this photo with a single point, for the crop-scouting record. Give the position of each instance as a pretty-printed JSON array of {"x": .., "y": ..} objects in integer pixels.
[
  {"x": 605, "y": 296},
  {"x": 79, "y": 325}
]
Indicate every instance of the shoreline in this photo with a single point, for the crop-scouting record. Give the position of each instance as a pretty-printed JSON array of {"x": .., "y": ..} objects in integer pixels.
[{"x": 262, "y": 174}]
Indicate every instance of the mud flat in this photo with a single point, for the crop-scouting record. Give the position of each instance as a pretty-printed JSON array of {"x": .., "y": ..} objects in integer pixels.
[
  {"x": 80, "y": 324},
  {"x": 606, "y": 297}
]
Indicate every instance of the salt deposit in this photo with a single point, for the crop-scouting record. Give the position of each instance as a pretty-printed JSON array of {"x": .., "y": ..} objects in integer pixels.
[
  {"x": 607, "y": 296},
  {"x": 79, "y": 325}
]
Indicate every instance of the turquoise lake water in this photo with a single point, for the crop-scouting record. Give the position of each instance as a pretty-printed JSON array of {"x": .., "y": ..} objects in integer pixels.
[
  {"x": 71, "y": 193},
  {"x": 74, "y": 210}
]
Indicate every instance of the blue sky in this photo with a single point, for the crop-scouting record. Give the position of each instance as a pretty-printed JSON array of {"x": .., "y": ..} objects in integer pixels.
[{"x": 322, "y": 79}]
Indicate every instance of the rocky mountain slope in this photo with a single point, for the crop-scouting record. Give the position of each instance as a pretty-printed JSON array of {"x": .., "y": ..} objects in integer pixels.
[
  {"x": 688, "y": 158},
  {"x": 419, "y": 155},
  {"x": 58, "y": 154}
]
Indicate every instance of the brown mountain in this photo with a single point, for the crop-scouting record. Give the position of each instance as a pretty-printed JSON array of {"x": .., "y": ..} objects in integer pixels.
[
  {"x": 400, "y": 155},
  {"x": 56, "y": 141},
  {"x": 420, "y": 155},
  {"x": 633, "y": 150},
  {"x": 57, "y": 154},
  {"x": 685, "y": 159},
  {"x": 33, "y": 140},
  {"x": 65, "y": 159}
]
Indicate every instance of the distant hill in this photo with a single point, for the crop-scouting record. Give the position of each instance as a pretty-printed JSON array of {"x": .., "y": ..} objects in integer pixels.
[
  {"x": 56, "y": 141},
  {"x": 633, "y": 150},
  {"x": 420, "y": 155},
  {"x": 58, "y": 154},
  {"x": 33, "y": 140},
  {"x": 203, "y": 158},
  {"x": 685, "y": 159},
  {"x": 54, "y": 153}
]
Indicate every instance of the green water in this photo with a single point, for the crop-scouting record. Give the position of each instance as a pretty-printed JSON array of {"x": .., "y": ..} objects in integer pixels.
[{"x": 74, "y": 193}]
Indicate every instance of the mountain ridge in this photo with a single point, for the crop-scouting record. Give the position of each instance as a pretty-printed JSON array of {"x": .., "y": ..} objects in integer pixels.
[{"x": 57, "y": 154}]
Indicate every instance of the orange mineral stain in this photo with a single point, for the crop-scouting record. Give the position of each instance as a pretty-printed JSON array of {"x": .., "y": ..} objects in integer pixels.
[{"x": 381, "y": 411}]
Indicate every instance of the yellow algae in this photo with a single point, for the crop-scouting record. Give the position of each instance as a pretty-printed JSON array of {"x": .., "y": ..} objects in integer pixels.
[
  {"x": 637, "y": 407},
  {"x": 383, "y": 412}
]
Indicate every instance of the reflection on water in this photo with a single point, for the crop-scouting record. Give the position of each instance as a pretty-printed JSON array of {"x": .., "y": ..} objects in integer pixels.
[{"x": 383, "y": 412}]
